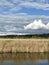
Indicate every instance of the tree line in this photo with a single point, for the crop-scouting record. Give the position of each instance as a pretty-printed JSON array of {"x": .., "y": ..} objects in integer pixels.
[{"x": 26, "y": 36}]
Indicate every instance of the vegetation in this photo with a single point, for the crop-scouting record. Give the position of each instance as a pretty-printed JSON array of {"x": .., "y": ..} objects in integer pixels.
[
  {"x": 26, "y": 36},
  {"x": 23, "y": 45}
]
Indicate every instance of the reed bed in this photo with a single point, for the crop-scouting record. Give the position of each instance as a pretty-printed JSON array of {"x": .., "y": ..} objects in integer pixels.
[{"x": 24, "y": 45}]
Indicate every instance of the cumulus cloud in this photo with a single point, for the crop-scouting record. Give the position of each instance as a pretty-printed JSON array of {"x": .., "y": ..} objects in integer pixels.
[
  {"x": 37, "y": 25},
  {"x": 13, "y": 24},
  {"x": 47, "y": 25},
  {"x": 23, "y": 20}
]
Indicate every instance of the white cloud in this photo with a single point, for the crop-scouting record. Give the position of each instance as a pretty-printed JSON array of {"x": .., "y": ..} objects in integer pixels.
[
  {"x": 17, "y": 5},
  {"x": 21, "y": 17},
  {"x": 15, "y": 23},
  {"x": 22, "y": 14},
  {"x": 36, "y": 5},
  {"x": 8, "y": 4},
  {"x": 10, "y": 28},
  {"x": 47, "y": 25},
  {"x": 37, "y": 25},
  {"x": 17, "y": 8},
  {"x": 7, "y": 33}
]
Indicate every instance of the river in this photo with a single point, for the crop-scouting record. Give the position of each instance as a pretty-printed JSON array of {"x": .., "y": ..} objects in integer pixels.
[{"x": 24, "y": 59}]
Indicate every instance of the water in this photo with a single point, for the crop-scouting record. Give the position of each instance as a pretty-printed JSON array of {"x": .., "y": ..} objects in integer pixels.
[{"x": 24, "y": 59}]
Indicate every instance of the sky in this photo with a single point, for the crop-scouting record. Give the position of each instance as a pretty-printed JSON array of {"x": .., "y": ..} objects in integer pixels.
[
  {"x": 30, "y": 7},
  {"x": 16, "y": 14}
]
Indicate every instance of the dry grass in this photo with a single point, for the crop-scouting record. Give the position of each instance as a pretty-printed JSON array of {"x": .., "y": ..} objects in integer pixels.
[{"x": 24, "y": 45}]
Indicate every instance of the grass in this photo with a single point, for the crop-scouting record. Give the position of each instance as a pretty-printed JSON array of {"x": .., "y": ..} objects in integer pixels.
[
  {"x": 24, "y": 45},
  {"x": 24, "y": 40}
]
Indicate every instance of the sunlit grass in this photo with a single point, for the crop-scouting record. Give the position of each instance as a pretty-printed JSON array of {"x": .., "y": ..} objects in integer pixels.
[
  {"x": 24, "y": 45},
  {"x": 24, "y": 40}
]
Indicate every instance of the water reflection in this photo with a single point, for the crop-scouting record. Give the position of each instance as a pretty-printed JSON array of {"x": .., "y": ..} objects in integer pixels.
[{"x": 24, "y": 59}]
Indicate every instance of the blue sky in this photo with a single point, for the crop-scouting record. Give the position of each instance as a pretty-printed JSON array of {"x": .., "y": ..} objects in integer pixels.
[
  {"x": 30, "y": 7},
  {"x": 15, "y": 14}
]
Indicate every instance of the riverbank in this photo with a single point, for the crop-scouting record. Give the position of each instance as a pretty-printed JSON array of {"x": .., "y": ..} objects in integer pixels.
[{"x": 24, "y": 45}]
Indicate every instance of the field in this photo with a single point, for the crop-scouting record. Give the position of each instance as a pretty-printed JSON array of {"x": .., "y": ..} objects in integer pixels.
[{"x": 23, "y": 45}]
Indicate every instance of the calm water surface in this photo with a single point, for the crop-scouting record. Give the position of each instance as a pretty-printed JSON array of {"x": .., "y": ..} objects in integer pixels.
[{"x": 24, "y": 59}]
